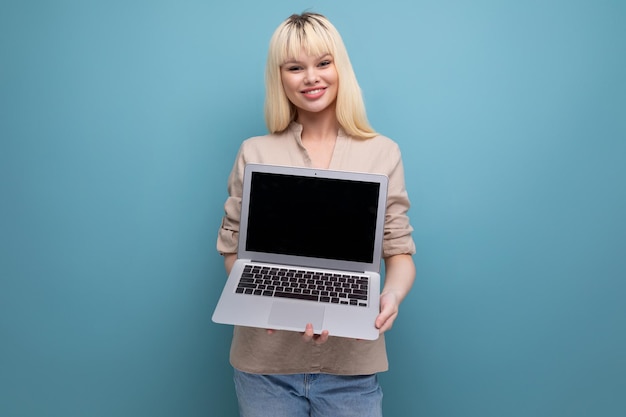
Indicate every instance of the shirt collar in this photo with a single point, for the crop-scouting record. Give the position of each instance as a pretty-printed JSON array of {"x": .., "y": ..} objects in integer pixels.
[{"x": 296, "y": 129}]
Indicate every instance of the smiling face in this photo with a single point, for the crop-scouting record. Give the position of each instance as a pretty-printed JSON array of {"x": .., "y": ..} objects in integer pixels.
[{"x": 310, "y": 82}]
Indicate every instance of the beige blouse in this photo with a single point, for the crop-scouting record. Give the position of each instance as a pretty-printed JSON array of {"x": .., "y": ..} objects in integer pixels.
[{"x": 253, "y": 350}]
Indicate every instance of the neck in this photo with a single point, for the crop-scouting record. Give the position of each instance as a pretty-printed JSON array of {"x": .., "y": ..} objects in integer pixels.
[{"x": 319, "y": 126}]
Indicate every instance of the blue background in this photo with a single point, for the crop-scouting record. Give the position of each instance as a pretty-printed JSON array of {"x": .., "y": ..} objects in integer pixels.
[{"x": 119, "y": 123}]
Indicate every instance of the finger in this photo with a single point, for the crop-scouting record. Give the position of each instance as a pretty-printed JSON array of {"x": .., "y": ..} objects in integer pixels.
[
  {"x": 322, "y": 338},
  {"x": 308, "y": 334},
  {"x": 387, "y": 315},
  {"x": 384, "y": 323},
  {"x": 382, "y": 317}
]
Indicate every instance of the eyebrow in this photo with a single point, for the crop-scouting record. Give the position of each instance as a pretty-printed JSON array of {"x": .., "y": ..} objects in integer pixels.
[{"x": 295, "y": 61}]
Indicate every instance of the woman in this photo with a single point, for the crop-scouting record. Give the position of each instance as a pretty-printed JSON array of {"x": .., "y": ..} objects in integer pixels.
[{"x": 316, "y": 117}]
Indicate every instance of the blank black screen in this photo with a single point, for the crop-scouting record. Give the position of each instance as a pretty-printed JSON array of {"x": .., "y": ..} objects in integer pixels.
[{"x": 313, "y": 217}]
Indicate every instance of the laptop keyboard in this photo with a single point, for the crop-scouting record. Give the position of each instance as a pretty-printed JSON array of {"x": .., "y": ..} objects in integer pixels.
[{"x": 304, "y": 285}]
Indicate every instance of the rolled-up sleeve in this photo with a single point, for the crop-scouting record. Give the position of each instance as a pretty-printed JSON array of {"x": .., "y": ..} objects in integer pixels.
[
  {"x": 397, "y": 238},
  {"x": 228, "y": 235}
]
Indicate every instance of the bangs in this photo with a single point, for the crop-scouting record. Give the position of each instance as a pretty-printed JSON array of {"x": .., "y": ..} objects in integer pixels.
[{"x": 311, "y": 36}]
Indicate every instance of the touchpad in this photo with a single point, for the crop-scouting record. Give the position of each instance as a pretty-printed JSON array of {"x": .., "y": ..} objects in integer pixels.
[{"x": 297, "y": 315}]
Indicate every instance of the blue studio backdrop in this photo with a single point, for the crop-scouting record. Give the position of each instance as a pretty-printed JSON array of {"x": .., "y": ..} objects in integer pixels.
[{"x": 119, "y": 123}]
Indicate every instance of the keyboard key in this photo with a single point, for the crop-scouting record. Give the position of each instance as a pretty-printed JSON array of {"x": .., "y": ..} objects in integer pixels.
[{"x": 298, "y": 296}]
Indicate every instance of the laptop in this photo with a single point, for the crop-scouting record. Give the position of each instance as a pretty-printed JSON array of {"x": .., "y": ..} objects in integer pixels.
[{"x": 310, "y": 245}]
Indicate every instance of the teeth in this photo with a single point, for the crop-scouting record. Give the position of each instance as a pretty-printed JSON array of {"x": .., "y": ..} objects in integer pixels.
[{"x": 314, "y": 91}]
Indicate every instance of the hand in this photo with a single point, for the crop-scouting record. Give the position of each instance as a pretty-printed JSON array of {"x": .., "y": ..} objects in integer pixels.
[
  {"x": 389, "y": 304},
  {"x": 309, "y": 335},
  {"x": 400, "y": 274}
]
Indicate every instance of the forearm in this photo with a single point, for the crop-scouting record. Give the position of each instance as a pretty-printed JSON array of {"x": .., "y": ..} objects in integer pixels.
[
  {"x": 229, "y": 260},
  {"x": 399, "y": 275}
]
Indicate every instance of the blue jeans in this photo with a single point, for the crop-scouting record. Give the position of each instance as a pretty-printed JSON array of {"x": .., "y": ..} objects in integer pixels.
[{"x": 308, "y": 395}]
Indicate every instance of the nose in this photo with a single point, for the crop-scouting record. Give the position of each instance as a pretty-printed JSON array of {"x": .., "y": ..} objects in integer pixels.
[{"x": 311, "y": 76}]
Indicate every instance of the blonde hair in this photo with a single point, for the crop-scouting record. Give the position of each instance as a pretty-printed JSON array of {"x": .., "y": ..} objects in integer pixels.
[{"x": 317, "y": 36}]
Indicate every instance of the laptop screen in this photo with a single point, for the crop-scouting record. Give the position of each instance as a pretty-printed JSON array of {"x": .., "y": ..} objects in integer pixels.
[{"x": 312, "y": 217}]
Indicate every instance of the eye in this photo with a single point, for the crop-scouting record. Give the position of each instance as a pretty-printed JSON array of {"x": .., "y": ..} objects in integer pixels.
[{"x": 325, "y": 63}]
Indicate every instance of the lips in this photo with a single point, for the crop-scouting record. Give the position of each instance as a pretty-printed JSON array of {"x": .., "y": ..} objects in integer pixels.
[{"x": 314, "y": 92}]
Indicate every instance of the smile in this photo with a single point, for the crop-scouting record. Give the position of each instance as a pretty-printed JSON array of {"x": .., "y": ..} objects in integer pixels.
[{"x": 313, "y": 92}]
